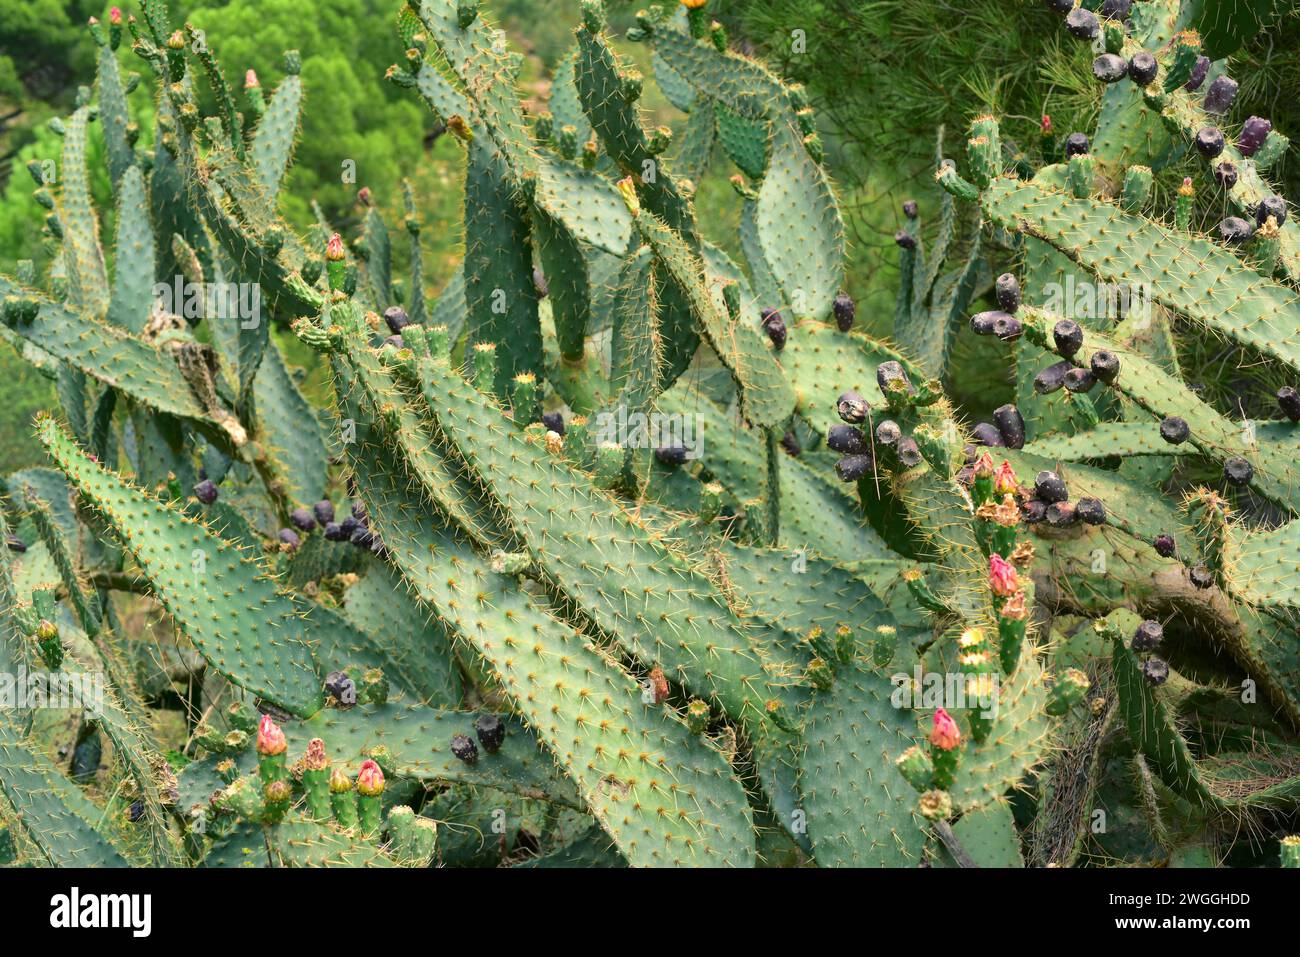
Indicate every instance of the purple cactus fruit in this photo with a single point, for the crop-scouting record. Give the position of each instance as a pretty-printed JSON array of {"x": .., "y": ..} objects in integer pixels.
[
  {"x": 396, "y": 318},
  {"x": 334, "y": 532},
  {"x": 1116, "y": 9},
  {"x": 1147, "y": 638},
  {"x": 1201, "y": 577},
  {"x": 910, "y": 209},
  {"x": 1050, "y": 487},
  {"x": 1007, "y": 292},
  {"x": 554, "y": 422},
  {"x": 774, "y": 326},
  {"x": 1033, "y": 511},
  {"x": 1274, "y": 206},
  {"x": 1142, "y": 69},
  {"x": 1007, "y": 328},
  {"x": 324, "y": 512},
  {"x": 289, "y": 537},
  {"x": 1110, "y": 68},
  {"x": 1105, "y": 365},
  {"x": 1225, "y": 174},
  {"x": 1011, "y": 424},
  {"x": 790, "y": 442},
  {"x": 1155, "y": 670},
  {"x": 463, "y": 748},
  {"x": 359, "y": 511},
  {"x": 1165, "y": 546},
  {"x": 1175, "y": 430},
  {"x": 540, "y": 284},
  {"x": 1076, "y": 144},
  {"x": 302, "y": 519},
  {"x": 847, "y": 439},
  {"x": 671, "y": 455},
  {"x": 1237, "y": 471},
  {"x": 846, "y": 310},
  {"x": 341, "y": 688},
  {"x": 1199, "y": 72},
  {"x": 347, "y": 527},
  {"x": 1234, "y": 230},
  {"x": 1219, "y": 97},
  {"x": 1253, "y": 134},
  {"x": 206, "y": 491},
  {"x": 1060, "y": 6},
  {"x": 904, "y": 239},
  {"x": 888, "y": 432},
  {"x": 851, "y": 407},
  {"x": 853, "y": 467},
  {"x": 15, "y": 544},
  {"x": 491, "y": 731},
  {"x": 1288, "y": 400},
  {"x": 1082, "y": 23},
  {"x": 891, "y": 376},
  {"x": 1062, "y": 514},
  {"x": 909, "y": 453},
  {"x": 982, "y": 323},
  {"x": 985, "y": 433},
  {"x": 1052, "y": 378},
  {"x": 362, "y": 537},
  {"x": 1209, "y": 141},
  {"x": 1079, "y": 380},
  {"x": 1068, "y": 336},
  {"x": 1091, "y": 511},
  {"x": 395, "y": 342}
]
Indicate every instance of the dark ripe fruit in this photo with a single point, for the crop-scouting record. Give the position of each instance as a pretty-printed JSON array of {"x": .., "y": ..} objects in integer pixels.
[
  {"x": 1155, "y": 670},
  {"x": 1142, "y": 69},
  {"x": 983, "y": 323},
  {"x": 1110, "y": 68},
  {"x": 302, "y": 519},
  {"x": 1076, "y": 144},
  {"x": 910, "y": 209},
  {"x": 359, "y": 511},
  {"x": 554, "y": 422},
  {"x": 846, "y": 310},
  {"x": 1225, "y": 174},
  {"x": 1011, "y": 424},
  {"x": 135, "y": 812},
  {"x": 847, "y": 439},
  {"x": 396, "y": 318},
  {"x": 1068, "y": 336},
  {"x": 1060, "y": 6},
  {"x": 362, "y": 537},
  {"x": 323, "y": 511},
  {"x": 888, "y": 432},
  {"x": 1288, "y": 400},
  {"x": 1253, "y": 134},
  {"x": 1237, "y": 471},
  {"x": 1007, "y": 292},
  {"x": 1165, "y": 546},
  {"x": 334, "y": 532},
  {"x": 1116, "y": 9},
  {"x": 1147, "y": 638},
  {"x": 1079, "y": 380},
  {"x": 1219, "y": 97},
  {"x": 341, "y": 688},
  {"x": 15, "y": 544},
  {"x": 905, "y": 239},
  {"x": 1091, "y": 511},
  {"x": 909, "y": 453},
  {"x": 671, "y": 455},
  {"x": 768, "y": 314},
  {"x": 890, "y": 376},
  {"x": 289, "y": 537},
  {"x": 540, "y": 284},
  {"x": 1052, "y": 378},
  {"x": 986, "y": 433},
  {"x": 1199, "y": 72},
  {"x": 852, "y": 408},
  {"x": 1274, "y": 206},
  {"x": 395, "y": 342},
  {"x": 206, "y": 491},
  {"x": 1050, "y": 487},
  {"x": 776, "y": 331},
  {"x": 1235, "y": 230},
  {"x": 491, "y": 731},
  {"x": 1062, "y": 514},
  {"x": 1201, "y": 577},
  {"x": 1033, "y": 511},
  {"x": 464, "y": 748},
  {"x": 1174, "y": 430},
  {"x": 1007, "y": 328},
  {"x": 1209, "y": 141},
  {"x": 347, "y": 527},
  {"x": 1082, "y": 23},
  {"x": 853, "y": 467},
  {"x": 790, "y": 442},
  {"x": 1105, "y": 365}
]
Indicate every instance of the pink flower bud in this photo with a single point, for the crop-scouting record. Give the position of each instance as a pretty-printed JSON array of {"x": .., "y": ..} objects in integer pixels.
[
  {"x": 334, "y": 248},
  {"x": 115, "y": 16},
  {"x": 944, "y": 734},
  {"x": 270, "y": 739},
  {"x": 363, "y": 196},
  {"x": 315, "y": 759},
  {"x": 1002, "y": 576},
  {"x": 250, "y": 80},
  {"x": 984, "y": 466},
  {"x": 1004, "y": 478},
  {"x": 370, "y": 779},
  {"x": 1046, "y": 124}
]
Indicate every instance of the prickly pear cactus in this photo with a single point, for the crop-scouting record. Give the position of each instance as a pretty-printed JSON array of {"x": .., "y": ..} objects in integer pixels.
[{"x": 625, "y": 550}]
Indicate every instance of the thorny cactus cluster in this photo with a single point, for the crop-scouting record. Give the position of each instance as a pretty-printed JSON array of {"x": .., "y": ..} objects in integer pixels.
[{"x": 624, "y": 552}]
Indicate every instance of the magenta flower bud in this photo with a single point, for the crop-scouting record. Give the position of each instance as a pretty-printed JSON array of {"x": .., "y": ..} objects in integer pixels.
[
  {"x": 1004, "y": 479},
  {"x": 370, "y": 779},
  {"x": 1002, "y": 576},
  {"x": 944, "y": 733},
  {"x": 270, "y": 739},
  {"x": 250, "y": 80},
  {"x": 115, "y": 16},
  {"x": 334, "y": 251}
]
